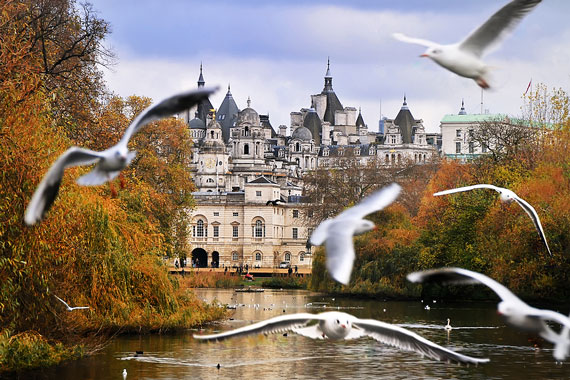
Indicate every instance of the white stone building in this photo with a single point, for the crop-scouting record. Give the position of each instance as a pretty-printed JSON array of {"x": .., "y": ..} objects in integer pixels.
[
  {"x": 456, "y": 130},
  {"x": 240, "y": 163}
]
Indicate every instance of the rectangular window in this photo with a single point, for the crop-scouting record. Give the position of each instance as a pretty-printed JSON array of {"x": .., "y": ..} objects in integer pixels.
[
  {"x": 484, "y": 148},
  {"x": 295, "y": 213},
  {"x": 471, "y": 148},
  {"x": 309, "y": 232},
  {"x": 258, "y": 193},
  {"x": 310, "y": 213},
  {"x": 393, "y": 139},
  {"x": 216, "y": 214},
  {"x": 457, "y": 148},
  {"x": 458, "y": 133},
  {"x": 236, "y": 214},
  {"x": 216, "y": 231},
  {"x": 295, "y": 233},
  {"x": 235, "y": 231}
]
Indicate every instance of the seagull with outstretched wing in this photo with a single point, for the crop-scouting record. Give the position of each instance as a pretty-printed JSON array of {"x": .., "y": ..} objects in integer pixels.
[
  {"x": 506, "y": 195},
  {"x": 338, "y": 326},
  {"x": 515, "y": 311},
  {"x": 69, "y": 308},
  {"x": 464, "y": 58},
  {"x": 336, "y": 233},
  {"x": 110, "y": 162}
]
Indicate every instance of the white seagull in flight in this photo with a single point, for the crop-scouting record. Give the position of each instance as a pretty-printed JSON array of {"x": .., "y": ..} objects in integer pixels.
[
  {"x": 69, "y": 308},
  {"x": 516, "y": 312},
  {"x": 464, "y": 58},
  {"x": 336, "y": 325},
  {"x": 110, "y": 162},
  {"x": 337, "y": 232},
  {"x": 507, "y": 196}
]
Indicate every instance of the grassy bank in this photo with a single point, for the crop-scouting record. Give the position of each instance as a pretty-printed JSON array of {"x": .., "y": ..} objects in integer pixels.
[{"x": 226, "y": 281}]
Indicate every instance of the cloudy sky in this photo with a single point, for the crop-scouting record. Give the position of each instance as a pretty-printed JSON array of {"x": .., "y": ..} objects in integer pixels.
[{"x": 276, "y": 53}]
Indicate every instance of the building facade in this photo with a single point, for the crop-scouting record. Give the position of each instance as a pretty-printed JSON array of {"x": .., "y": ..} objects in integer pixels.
[{"x": 240, "y": 163}]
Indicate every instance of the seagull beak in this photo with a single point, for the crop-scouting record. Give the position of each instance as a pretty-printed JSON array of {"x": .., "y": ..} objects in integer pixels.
[
  {"x": 343, "y": 326},
  {"x": 424, "y": 55}
]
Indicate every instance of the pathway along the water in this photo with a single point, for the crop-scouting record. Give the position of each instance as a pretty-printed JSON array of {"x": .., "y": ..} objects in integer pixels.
[{"x": 477, "y": 331}]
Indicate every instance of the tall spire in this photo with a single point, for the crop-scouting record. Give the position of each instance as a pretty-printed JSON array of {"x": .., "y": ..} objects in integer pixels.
[
  {"x": 328, "y": 77},
  {"x": 201, "y": 81}
]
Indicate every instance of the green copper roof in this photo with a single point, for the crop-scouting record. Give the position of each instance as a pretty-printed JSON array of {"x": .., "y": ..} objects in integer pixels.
[{"x": 472, "y": 118}]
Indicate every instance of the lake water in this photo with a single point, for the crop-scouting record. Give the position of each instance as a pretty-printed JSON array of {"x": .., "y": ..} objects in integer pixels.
[{"x": 478, "y": 331}]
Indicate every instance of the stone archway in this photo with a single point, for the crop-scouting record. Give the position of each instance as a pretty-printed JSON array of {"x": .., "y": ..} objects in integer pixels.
[
  {"x": 215, "y": 259},
  {"x": 200, "y": 256}
]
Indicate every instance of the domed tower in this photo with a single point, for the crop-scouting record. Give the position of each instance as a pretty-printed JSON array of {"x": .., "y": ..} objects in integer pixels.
[
  {"x": 197, "y": 129},
  {"x": 302, "y": 150},
  {"x": 212, "y": 160},
  {"x": 247, "y": 145}
]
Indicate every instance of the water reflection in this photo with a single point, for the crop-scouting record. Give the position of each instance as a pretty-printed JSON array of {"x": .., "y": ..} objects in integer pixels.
[{"x": 477, "y": 331}]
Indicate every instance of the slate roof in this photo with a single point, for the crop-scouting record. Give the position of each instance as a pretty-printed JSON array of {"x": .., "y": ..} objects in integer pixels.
[
  {"x": 262, "y": 180},
  {"x": 227, "y": 115},
  {"x": 313, "y": 123},
  {"x": 333, "y": 104}
]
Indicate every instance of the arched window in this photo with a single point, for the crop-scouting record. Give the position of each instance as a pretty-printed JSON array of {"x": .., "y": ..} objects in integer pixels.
[
  {"x": 259, "y": 229},
  {"x": 302, "y": 256},
  {"x": 258, "y": 256},
  {"x": 287, "y": 256},
  {"x": 246, "y": 131},
  {"x": 209, "y": 180},
  {"x": 235, "y": 256},
  {"x": 387, "y": 159},
  {"x": 212, "y": 134},
  {"x": 246, "y": 149},
  {"x": 297, "y": 147},
  {"x": 399, "y": 158},
  {"x": 297, "y": 161},
  {"x": 200, "y": 228}
]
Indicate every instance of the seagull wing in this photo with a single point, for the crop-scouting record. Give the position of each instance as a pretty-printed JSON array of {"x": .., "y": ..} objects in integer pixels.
[
  {"x": 374, "y": 202},
  {"x": 79, "y": 307},
  {"x": 47, "y": 190},
  {"x": 403, "y": 339},
  {"x": 62, "y": 301},
  {"x": 464, "y": 276},
  {"x": 270, "y": 326},
  {"x": 534, "y": 216},
  {"x": 496, "y": 28},
  {"x": 340, "y": 251},
  {"x": 320, "y": 233},
  {"x": 550, "y": 315},
  {"x": 167, "y": 107},
  {"x": 467, "y": 188},
  {"x": 412, "y": 40}
]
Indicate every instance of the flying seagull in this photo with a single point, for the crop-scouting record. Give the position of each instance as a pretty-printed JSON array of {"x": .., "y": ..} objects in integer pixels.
[
  {"x": 506, "y": 196},
  {"x": 337, "y": 232},
  {"x": 338, "y": 326},
  {"x": 69, "y": 308},
  {"x": 110, "y": 162},
  {"x": 464, "y": 58},
  {"x": 516, "y": 313}
]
